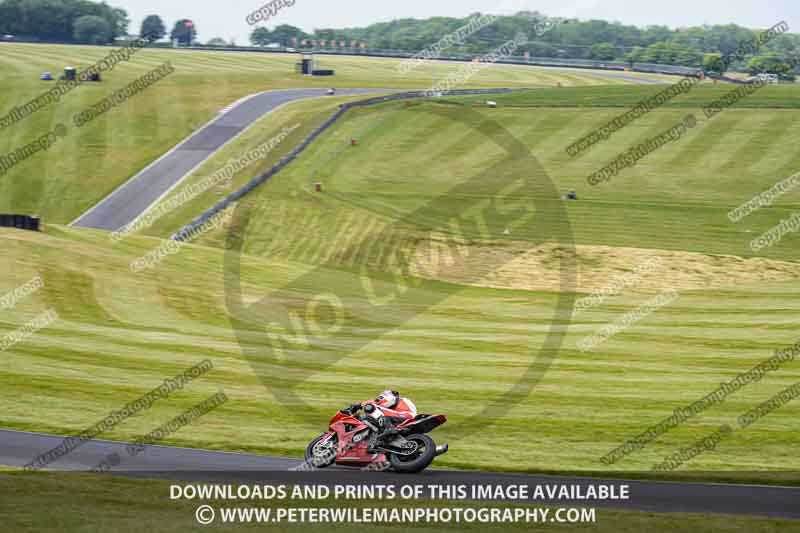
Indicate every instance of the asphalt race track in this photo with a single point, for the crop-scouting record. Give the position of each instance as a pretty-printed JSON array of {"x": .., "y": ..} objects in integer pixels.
[
  {"x": 19, "y": 448},
  {"x": 130, "y": 200}
]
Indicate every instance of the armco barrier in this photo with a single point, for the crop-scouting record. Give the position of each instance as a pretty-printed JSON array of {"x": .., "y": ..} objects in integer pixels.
[{"x": 255, "y": 182}]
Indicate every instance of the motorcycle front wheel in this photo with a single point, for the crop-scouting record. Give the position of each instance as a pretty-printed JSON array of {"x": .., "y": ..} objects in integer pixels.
[{"x": 321, "y": 455}]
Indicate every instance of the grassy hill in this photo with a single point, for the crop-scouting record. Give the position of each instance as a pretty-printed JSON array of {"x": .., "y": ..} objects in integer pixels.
[
  {"x": 464, "y": 334},
  {"x": 90, "y": 162},
  {"x": 121, "y": 334}
]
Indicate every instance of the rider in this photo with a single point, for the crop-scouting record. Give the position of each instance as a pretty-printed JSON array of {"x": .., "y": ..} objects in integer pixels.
[{"x": 395, "y": 408}]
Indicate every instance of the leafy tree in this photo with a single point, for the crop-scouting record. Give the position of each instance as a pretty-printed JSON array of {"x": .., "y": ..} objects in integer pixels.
[
  {"x": 120, "y": 21},
  {"x": 658, "y": 53},
  {"x": 688, "y": 56},
  {"x": 792, "y": 59},
  {"x": 217, "y": 41},
  {"x": 727, "y": 39},
  {"x": 184, "y": 31},
  {"x": 153, "y": 27},
  {"x": 671, "y": 53},
  {"x": 691, "y": 37},
  {"x": 261, "y": 37},
  {"x": 635, "y": 55},
  {"x": 283, "y": 34},
  {"x": 603, "y": 52},
  {"x": 655, "y": 34},
  {"x": 92, "y": 30},
  {"x": 771, "y": 63},
  {"x": 713, "y": 62},
  {"x": 54, "y": 20},
  {"x": 325, "y": 34},
  {"x": 788, "y": 45}
]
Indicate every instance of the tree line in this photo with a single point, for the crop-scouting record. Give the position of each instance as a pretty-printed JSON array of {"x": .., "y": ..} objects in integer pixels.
[
  {"x": 83, "y": 21},
  {"x": 63, "y": 20},
  {"x": 80, "y": 21},
  {"x": 698, "y": 46}
]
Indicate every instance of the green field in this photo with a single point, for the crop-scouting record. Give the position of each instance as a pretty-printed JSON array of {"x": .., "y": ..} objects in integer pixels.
[{"x": 464, "y": 334}]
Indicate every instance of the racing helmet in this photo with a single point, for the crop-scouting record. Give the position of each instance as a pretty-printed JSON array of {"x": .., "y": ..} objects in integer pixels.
[{"x": 388, "y": 399}]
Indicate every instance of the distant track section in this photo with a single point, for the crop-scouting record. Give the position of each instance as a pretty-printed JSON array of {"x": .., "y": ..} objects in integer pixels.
[
  {"x": 132, "y": 199},
  {"x": 258, "y": 180}
]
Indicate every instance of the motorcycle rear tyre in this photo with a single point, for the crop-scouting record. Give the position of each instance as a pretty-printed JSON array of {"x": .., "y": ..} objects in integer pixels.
[{"x": 419, "y": 463}]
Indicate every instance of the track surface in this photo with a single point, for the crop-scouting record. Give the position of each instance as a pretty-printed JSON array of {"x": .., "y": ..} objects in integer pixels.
[
  {"x": 129, "y": 201},
  {"x": 19, "y": 448}
]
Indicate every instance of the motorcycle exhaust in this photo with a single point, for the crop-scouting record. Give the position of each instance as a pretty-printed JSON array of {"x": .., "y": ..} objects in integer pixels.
[{"x": 442, "y": 449}]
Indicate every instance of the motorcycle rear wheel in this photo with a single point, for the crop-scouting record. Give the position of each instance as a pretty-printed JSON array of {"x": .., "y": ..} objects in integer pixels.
[
  {"x": 323, "y": 455},
  {"x": 419, "y": 461}
]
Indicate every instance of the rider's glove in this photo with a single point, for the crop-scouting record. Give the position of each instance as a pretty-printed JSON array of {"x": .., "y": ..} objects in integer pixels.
[{"x": 355, "y": 407}]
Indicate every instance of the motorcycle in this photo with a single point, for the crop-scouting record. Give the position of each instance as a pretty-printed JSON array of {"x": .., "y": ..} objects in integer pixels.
[{"x": 350, "y": 438}]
